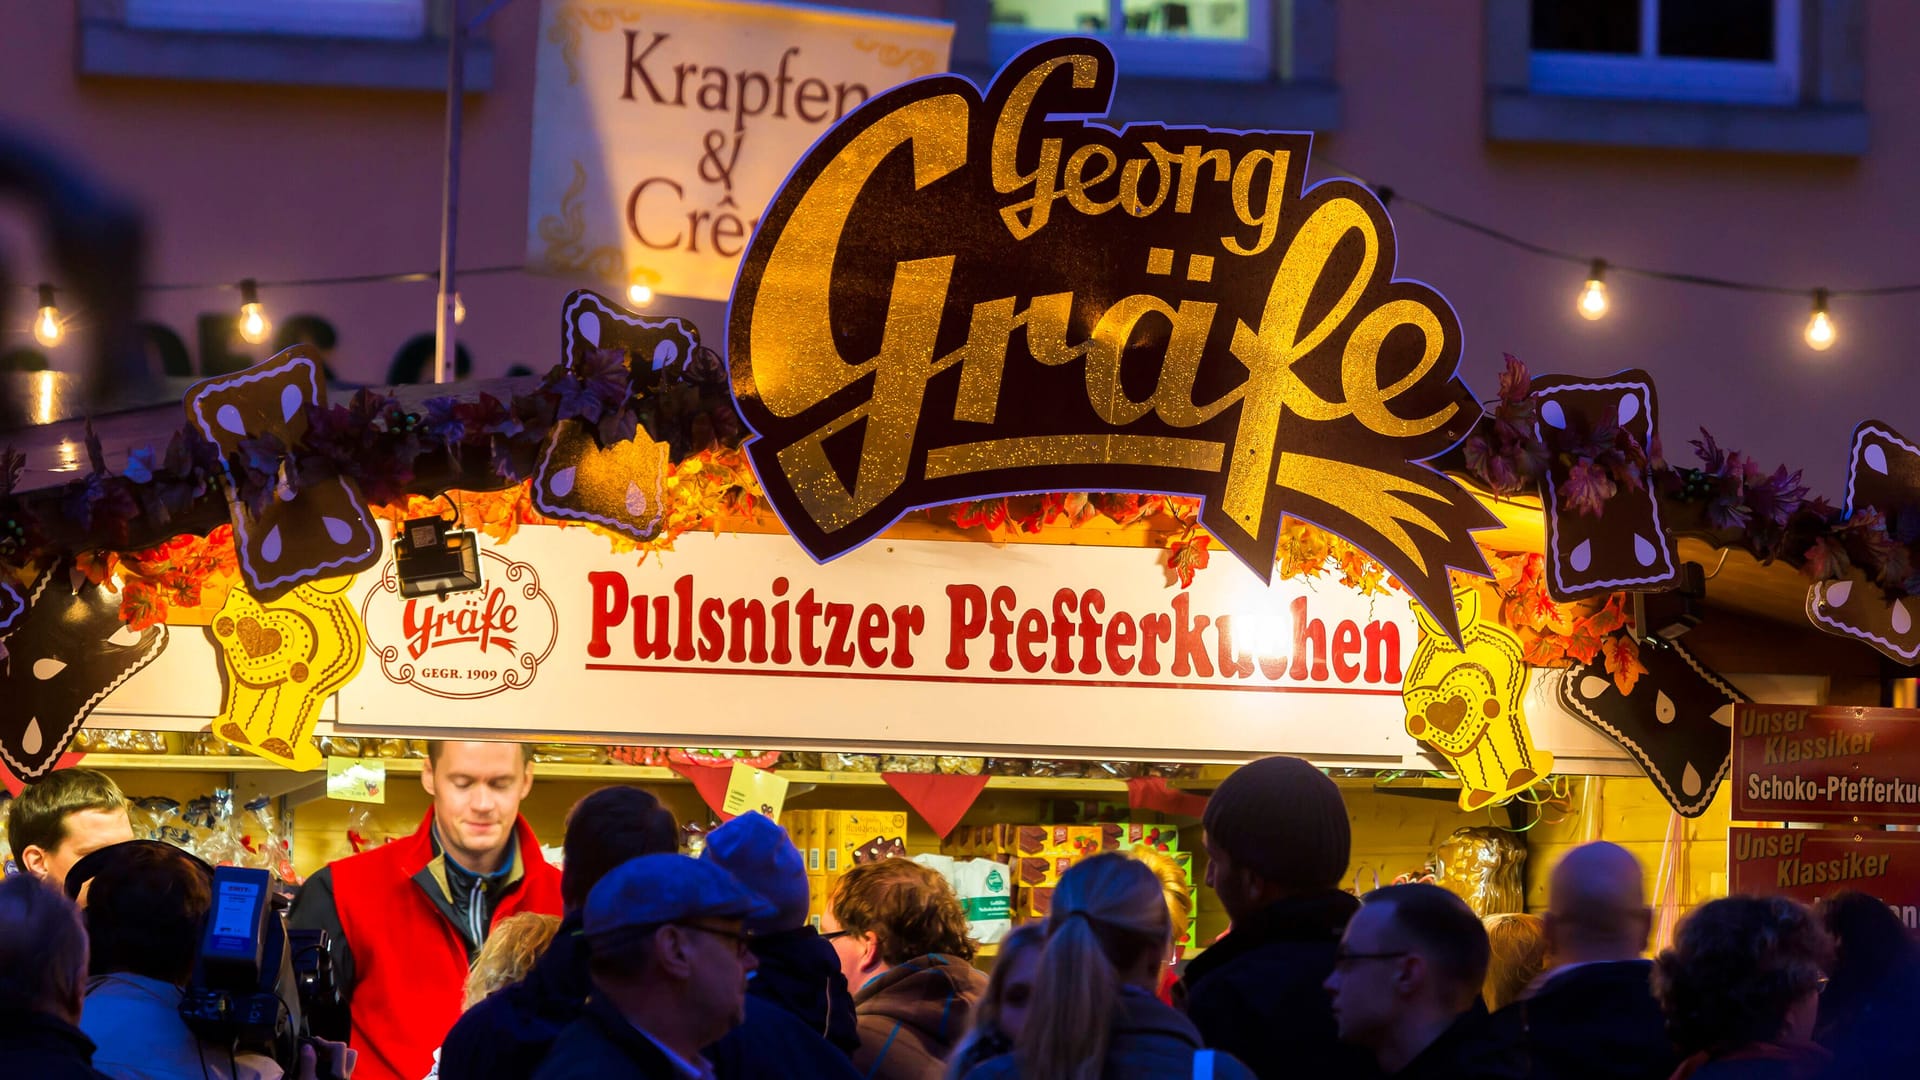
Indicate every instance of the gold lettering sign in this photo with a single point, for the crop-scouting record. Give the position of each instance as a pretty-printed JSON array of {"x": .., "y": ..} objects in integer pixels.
[{"x": 957, "y": 295}]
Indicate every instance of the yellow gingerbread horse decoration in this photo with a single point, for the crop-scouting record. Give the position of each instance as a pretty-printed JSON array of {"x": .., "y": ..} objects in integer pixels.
[
  {"x": 1466, "y": 703},
  {"x": 283, "y": 659}
]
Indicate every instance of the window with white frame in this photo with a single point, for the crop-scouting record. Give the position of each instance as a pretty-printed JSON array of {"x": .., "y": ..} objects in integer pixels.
[
  {"x": 389, "y": 19},
  {"x": 1730, "y": 51},
  {"x": 1192, "y": 39}
]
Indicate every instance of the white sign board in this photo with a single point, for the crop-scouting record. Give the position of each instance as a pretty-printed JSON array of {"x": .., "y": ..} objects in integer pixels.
[
  {"x": 744, "y": 640},
  {"x": 662, "y": 128}
]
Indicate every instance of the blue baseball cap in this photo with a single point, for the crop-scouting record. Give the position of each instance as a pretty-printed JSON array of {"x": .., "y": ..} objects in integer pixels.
[{"x": 654, "y": 890}]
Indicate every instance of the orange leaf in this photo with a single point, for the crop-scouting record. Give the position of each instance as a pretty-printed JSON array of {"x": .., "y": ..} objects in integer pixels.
[{"x": 1623, "y": 661}]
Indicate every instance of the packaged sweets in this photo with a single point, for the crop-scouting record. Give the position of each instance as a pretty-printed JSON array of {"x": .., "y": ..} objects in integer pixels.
[
  {"x": 569, "y": 753},
  {"x": 119, "y": 741},
  {"x": 205, "y": 744},
  {"x": 340, "y": 746},
  {"x": 908, "y": 763},
  {"x": 1004, "y": 767},
  {"x": 645, "y": 756},
  {"x": 960, "y": 766},
  {"x": 861, "y": 763}
]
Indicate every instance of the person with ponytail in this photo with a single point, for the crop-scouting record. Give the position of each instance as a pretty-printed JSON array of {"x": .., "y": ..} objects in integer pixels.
[{"x": 1094, "y": 1015}]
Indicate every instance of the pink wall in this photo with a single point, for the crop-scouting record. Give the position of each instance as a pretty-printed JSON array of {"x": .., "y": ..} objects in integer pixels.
[{"x": 274, "y": 182}]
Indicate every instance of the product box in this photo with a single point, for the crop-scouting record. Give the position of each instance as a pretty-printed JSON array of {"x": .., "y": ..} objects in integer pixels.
[
  {"x": 859, "y": 836},
  {"x": 1156, "y": 835},
  {"x": 1057, "y": 839},
  {"x": 1033, "y": 902},
  {"x": 816, "y": 898},
  {"x": 1038, "y": 870}
]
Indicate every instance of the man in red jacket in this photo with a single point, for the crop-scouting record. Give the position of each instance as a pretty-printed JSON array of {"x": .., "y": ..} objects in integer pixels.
[{"x": 406, "y": 919}]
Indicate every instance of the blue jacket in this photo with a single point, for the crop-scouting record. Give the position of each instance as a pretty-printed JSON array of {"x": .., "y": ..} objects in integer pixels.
[{"x": 1149, "y": 1041}]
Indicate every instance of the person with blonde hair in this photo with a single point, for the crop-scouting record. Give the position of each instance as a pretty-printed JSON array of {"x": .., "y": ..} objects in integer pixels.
[
  {"x": 1519, "y": 954},
  {"x": 1094, "y": 1014},
  {"x": 509, "y": 954},
  {"x": 1179, "y": 893},
  {"x": 1002, "y": 1012}
]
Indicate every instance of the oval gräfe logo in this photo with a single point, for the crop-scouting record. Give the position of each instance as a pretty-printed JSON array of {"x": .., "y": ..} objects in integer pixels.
[{"x": 470, "y": 644}]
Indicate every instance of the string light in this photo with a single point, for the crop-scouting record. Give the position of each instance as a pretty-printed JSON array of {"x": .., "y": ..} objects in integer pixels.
[
  {"x": 640, "y": 295},
  {"x": 459, "y": 310},
  {"x": 1593, "y": 298},
  {"x": 1820, "y": 333},
  {"x": 47, "y": 329},
  {"x": 254, "y": 325}
]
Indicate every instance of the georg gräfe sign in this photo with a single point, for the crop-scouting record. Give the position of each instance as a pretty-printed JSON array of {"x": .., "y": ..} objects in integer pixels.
[
  {"x": 960, "y": 294},
  {"x": 464, "y": 645}
]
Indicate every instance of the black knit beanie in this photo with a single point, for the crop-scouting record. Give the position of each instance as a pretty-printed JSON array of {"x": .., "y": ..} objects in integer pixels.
[{"x": 1284, "y": 820}]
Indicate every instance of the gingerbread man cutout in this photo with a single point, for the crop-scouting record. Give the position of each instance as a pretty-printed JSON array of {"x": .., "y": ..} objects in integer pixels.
[{"x": 283, "y": 659}]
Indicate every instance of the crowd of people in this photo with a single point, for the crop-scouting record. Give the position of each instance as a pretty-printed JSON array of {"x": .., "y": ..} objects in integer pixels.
[{"x": 463, "y": 954}]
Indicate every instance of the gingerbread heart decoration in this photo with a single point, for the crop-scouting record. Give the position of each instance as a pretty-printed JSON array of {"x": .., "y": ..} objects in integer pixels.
[
  {"x": 1625, "y": 547},
  {"x": 621, "y": 487},
  {"x": 323, "y": 530},
  {"x": 1677, "y": 723},
  {"x": 1883, "y": 473},
  {"x": 283, "y": 658},
  {"x": 65, "y": 653}
]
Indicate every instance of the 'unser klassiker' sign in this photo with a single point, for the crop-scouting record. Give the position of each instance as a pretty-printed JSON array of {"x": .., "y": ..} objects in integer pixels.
[
  {"x": 960, "y": 294},
  {"x": 1812, "y": 864},
  {"x": 1826, "y": 764},
  {"x": 746, "y": 640}
]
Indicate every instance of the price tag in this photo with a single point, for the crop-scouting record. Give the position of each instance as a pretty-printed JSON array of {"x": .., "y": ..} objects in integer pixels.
[
  {"x": 357, "y": 780},
  {"x": 755, "y": 789}
]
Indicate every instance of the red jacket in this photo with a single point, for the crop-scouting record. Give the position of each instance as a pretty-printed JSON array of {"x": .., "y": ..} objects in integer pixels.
[{"x": 409, "y": 960}]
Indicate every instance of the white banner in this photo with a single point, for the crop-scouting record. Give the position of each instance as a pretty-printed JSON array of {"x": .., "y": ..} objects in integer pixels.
[
  {"x": 662, "y": 128},
  {"x": 743, "y": 639}
]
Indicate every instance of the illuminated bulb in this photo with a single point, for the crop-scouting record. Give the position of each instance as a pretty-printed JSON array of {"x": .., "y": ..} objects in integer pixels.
[
  {"x": 1593, "y": 298},
  {"x": 1820, "y": 333},
  {"x": 46, "y": 322},
  {"x": 459, "y": 310},
  {"x": 254, "y": 326},
  {"x": 640, "y": 295}
]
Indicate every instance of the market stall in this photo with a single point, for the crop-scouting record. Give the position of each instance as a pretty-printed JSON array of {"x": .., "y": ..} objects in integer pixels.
[{"x": 875, "y": 552}]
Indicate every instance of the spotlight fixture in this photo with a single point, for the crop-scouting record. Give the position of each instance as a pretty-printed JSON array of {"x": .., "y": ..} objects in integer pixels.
[
  {"x": 431, "y": 559},
  {"x": 1668, "y": 615}
]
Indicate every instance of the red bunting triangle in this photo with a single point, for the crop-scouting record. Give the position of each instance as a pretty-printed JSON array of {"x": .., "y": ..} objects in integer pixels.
[
  {"x": 1153, "y": 793},
  {"x": 939, "y": 799},
  {"x": 15, "y": 786},
  {"x": 710, "y": 781}
]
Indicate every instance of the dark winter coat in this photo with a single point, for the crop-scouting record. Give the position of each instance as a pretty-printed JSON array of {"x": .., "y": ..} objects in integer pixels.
[
  {"x": 510, "y": 1034},
  {"x": 1760, "y": 1061},
  {"x": 1149, "y": 1041},
  {"x": 800, "y": 972},
  {"x": 1257, "y": 992},
  {"x": 600, "y": 1045},
  {"x": 912, "y": 1015},
  {"x": 1873, "y": 1030},
  {"x": 44, "y": 1047},
  {"x": 1471, "y": 1049},
  {"x": 504, "y": 1036},
  {"x": 1593, "y": 1022}
]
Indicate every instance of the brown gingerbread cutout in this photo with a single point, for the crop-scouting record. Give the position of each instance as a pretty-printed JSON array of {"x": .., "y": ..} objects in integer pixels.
[
  {"x": 621, "y": 487},
  {"x": 1883, "y": 473},
  {"x": 1626, "y": 547},
  {"x": 323, "y": 530}
]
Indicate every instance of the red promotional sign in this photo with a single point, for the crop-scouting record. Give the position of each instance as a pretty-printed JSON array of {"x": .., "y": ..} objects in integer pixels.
[
  {"x": 1811, "y": 864},
  {"x": 1832, "y": 763}
]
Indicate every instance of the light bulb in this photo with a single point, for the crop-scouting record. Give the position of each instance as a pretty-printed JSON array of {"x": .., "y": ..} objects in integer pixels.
[
  {"x": 46, "y": 322},
  {"x": 1820, "y": 332},
  {"x": 640, "y": 295},
  {"x": 254, "y": 325},
  {"x": 459, "y": 310},
  {"x": 1593, "y": 298}
]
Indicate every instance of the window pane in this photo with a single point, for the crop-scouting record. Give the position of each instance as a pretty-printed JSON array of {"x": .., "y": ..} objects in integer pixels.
[
  {"x": 1213, "y": 20},
  {"x": 1589, "y": 26},
  {"x": 1716, "y": 29},
  {"x": 1084, "y": 16}
]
